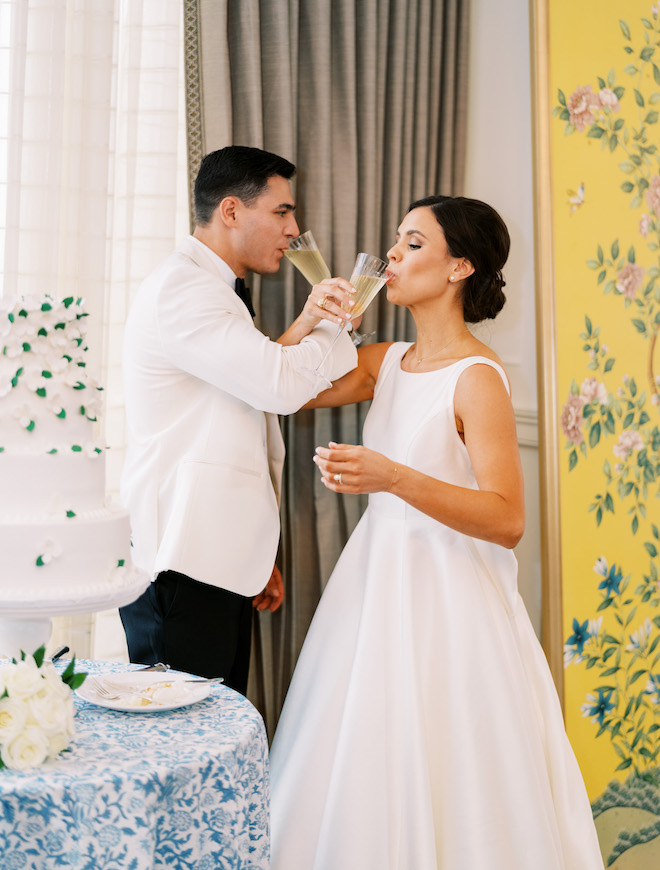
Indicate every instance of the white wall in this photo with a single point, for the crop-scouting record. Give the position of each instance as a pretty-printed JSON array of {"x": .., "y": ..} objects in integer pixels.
[{"x": 499, "y": 171}]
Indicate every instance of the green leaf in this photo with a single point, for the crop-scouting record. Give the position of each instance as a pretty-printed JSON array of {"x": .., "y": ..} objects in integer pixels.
[
  {"x": 608, "y": 638},
  {"x": 651, "y": 118},
  {"x": 76, "y": 681},
  {"x": 595, "y": 132},
  {"x": 615, "y": 249},
  {"x": 572, "y": 459},
  {"x": 561, "y": 97},
  {"x": 609, "y": 364},
  {"x": 637, "y": 675},
  {"x": 594, "y": 434},
  {"x": 627, "y": 187},
  {"x": 656, "y": 74},
  {"x": 639, "y": 99},
  {"x": 639, "y": 325},
  {"x": 647, "y": 53},
  {"x": 624, "y": 28},
  {"x": 38, "y": 655},
  {"x": 635, "y": 525},
  {"x": 614, "y": 141}
]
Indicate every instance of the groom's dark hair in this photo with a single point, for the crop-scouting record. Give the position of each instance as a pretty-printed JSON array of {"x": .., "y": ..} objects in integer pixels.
[{"x": 235, "y": 171}]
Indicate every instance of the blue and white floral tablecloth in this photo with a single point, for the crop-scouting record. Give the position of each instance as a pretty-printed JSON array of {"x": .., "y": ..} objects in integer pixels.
[{"x": 182, "y": 789}]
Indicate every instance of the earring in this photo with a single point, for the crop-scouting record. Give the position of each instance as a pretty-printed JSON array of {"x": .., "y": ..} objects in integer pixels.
[{"x": 451, "y": 278}]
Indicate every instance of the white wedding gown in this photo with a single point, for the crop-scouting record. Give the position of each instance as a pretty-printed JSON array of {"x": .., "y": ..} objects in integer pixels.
[{"x": 422, "y": 729}]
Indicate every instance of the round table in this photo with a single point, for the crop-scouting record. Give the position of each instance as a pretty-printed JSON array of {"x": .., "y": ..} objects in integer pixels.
[{"x": 187, "y": 788}]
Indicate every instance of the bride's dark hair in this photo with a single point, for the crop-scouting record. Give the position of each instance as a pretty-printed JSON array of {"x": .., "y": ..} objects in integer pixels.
[{"x": 474, "y": 230}]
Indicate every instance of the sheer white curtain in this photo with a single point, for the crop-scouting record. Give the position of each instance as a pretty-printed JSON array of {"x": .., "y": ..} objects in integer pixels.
[{"x": 92, "y": 162}]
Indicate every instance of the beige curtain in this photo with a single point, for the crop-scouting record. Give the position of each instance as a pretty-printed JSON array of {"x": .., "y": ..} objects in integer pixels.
[{"x": 367, "y": 98}]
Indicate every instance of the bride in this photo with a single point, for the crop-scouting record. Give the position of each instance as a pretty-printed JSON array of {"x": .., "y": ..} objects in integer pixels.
[{"x": 422, "y": 729}]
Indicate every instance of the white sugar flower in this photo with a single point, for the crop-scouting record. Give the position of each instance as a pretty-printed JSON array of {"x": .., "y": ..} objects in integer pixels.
[
  {"x": 57, "y": 340},
  {"x": 54, "y": 402},
  {"x": 13, "y": 347},
  {"x": 22, "y": 416},
  {"x": 49, "y": 551},
  {"x": 34, "y": 380},
  {"x": 58, "y": 365}
]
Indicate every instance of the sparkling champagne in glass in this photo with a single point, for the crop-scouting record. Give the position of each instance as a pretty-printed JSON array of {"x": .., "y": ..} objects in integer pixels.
[
  {"x": 368, "y": 277},
  {"x": 306, "y": 257}
]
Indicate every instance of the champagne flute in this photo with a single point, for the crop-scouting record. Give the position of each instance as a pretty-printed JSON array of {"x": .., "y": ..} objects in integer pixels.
[
  {"x": 368, "y": 277},
  {"x": 305, "y": 255}
]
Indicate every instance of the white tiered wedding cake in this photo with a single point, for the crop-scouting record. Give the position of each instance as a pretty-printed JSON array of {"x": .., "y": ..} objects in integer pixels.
[{"x": 63, "y": 547}]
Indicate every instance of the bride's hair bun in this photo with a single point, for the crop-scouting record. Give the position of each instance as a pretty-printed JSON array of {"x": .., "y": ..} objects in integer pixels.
[{"x": 475, "y": 231}]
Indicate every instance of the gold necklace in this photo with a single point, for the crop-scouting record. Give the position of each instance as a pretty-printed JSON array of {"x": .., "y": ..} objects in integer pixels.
[{"x": 422, "y": 359}]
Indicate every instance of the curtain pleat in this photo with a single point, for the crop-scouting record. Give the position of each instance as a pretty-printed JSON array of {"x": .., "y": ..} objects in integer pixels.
[{"x": 367, "y": 98}]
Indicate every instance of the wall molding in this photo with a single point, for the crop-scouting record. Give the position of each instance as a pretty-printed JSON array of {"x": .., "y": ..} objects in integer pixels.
[{"x": 527, "y": 427}]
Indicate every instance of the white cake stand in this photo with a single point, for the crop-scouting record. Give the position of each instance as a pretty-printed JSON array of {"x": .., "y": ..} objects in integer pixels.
[{"x": 25, "y": 625}]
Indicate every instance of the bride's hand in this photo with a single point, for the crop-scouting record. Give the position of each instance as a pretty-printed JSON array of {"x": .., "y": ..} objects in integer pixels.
[
  {"x": 326, "y": 300},
  {"x": 352, "y": 468}
]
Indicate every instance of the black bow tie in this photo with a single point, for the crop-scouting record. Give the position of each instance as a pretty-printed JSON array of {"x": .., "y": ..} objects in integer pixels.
[{"x": 243, "y": 293}]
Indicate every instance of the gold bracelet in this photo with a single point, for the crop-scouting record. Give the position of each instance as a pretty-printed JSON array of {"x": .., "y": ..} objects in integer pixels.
[{"x": 389, "y": 489}]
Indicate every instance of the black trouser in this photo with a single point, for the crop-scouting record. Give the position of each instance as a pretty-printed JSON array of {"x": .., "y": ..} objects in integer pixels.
[{"x": 191, "y": 627}]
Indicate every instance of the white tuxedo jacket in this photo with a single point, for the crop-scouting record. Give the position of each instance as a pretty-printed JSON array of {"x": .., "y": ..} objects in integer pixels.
[{"x": 202, "y": 387}]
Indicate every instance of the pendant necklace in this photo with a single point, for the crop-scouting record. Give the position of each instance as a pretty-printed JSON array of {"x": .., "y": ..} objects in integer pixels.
[{"x": 419, "y": 360}]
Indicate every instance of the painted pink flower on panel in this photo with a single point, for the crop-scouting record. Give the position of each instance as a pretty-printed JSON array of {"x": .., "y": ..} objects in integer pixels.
[
  {"x": 629, "y": 279},
  {"x": 580, "y": 106},
  {"x": 608, "y": 100},
  {"x": 645, "y": 225},
  {"x": 592, "y": 390},
  {"x": 571, "y": 419},
  {"x": 653, "y": 195},
  {"x": 629, "y": 440}
]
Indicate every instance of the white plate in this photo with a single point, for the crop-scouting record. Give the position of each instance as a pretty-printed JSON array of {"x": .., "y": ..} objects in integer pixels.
[{"x": 144, "y": 693}]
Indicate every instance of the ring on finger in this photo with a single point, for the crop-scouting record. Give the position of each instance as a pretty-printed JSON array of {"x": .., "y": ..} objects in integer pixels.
[
  {"x": 322, "y": 302},
  {"x": 338, "y": 479}
]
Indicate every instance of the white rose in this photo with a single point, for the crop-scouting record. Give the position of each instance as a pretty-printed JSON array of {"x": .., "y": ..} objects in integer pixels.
[
  {"x": 27, "y": 749},
  {"x": 54, "y": 681},
  {"x": 58, "y": 743},
  {"x": 13, "y": 716},
  {"x": 49, "y": 711},
  {"x": 23, "y": 679}
]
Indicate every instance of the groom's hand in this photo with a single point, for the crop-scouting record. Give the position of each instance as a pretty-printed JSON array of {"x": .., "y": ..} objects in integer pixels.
[{"x": 273, "y": 594}]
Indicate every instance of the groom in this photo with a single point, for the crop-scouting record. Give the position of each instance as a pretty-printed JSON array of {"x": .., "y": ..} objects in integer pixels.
[{"x": 202, "y": 388}]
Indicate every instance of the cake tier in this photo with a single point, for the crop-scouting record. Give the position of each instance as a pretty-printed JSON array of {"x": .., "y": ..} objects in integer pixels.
[
  {"x": 49, "y": 399},
  {"x": 50, "y": 486},
  {"x": 75, "y": 565},
  {"x": 30, "y": 423}
]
